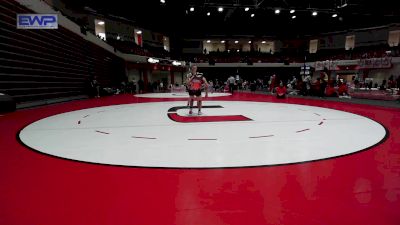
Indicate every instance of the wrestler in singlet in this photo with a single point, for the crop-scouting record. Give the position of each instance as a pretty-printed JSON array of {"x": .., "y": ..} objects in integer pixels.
[{"x": 195, "y": 84}]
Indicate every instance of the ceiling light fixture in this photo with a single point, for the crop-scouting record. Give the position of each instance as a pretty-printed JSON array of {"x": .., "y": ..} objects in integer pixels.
[
  {"x": 151, "y": 60},
  {"x": 246, "y": 9},
  {"x": 277, "y": 11},
  {"x": 176, "y": 63},
  {"x": 220, "y": 9},
  {"x": 342, "y": 4},
  {"x": 191, "y": 9},
  {"x": 315, "y": 13},
  {"x": 252, "y": 15},
  {"x": 292, "y": 11},
  {"x": 334, "y": 15}
]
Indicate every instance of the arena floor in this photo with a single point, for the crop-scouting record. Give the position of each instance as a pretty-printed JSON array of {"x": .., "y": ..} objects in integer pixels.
[{"x": 249, "y": 159}]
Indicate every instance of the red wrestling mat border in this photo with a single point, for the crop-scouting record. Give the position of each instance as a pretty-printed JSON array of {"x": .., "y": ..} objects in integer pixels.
[{"x": 360, "y": 188}]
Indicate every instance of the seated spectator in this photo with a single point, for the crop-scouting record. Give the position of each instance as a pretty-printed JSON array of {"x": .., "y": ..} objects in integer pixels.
[
  {"x": 330, "y": 91},
  {"x": 343, "y": 90},
  {"x": 281, "y": 91}
]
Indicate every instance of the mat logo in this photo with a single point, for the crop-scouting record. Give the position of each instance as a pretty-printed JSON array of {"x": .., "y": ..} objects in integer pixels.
[
  {"x": 37, "y": 21},
  {"x": 173, "y": 115}
]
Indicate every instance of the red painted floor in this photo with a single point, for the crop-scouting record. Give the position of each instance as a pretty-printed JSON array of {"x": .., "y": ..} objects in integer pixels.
[{"x": 358, "y": 189}]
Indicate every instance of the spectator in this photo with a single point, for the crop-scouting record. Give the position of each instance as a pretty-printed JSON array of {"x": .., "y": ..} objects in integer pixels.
[
  {"x": 141, "y": 86},
  {"x": 343, "y": 91},
  {"x": 281, "y": 91},
  {"x": 133, "y": 85},
  {"x": 392, "y": 82},
  {"x": 253, "y": 86},
  {"x": 231, "y": 83},
  {"x": 307, "y": 84},
  {"x": 324, "y": 82},
  {"x": 294, "y": 81},
  {"x": 330, "y": 91},
  {"x": 271, "y": 83},
  {"x": 161, "y": 86},
  {"x": 317, "y": 87},
  {"x": 94, "y": 87},
  {"x": 370, "y": 85},
  {"x": 383, "y": 86},
  {"x": 211, "y": 86}
]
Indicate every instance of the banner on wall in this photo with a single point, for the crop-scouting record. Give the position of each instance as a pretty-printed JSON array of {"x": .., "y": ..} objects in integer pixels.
[
  {"x": 313, "y": 48},
  {"x": 394, "y": 38},
  {"x": 350, "y": 42},
  {"x": 328, "y": 64},
  {"x": 375, "y": 63}
]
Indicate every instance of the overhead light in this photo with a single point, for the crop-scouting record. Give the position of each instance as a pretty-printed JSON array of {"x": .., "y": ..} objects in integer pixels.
[
  {"x": 246, "y": 9},
  {"x": 238, "y": 50},
  {"x": 139, "y": 32},
  {"x": 314, "y": 13},
  {"x": 208, "y": 14},
  {"x": 151, "y": 60},
  {"x": 343, "y": 5},
  {"x": 293, "y": 17},
  {"x": 222, "y": 41},
  {"x": 220, "y": 9},
  {"x": 162, "y": 1},
  {"x": 252, "y": 15},
  {"x": 191, "y": 9},
  {"x": 292, "y": 11},
  {"x": 334, "y": 15},
  {"x": 175, "y": 63},
  {"x": 236, "y": 42},
  {"x": 263, "y": 42},
  {"x": 118, "y": 37},
  {"x": 277, "y": 11},
  {"x": 208, "y": 41},
  {"x": 249, "y": 42},
  {"x": 100, "y": 23}
]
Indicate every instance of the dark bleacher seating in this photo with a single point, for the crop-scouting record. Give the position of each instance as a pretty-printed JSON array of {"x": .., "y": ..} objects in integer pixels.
[{"x": 46, "y": 64}]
